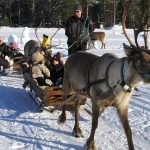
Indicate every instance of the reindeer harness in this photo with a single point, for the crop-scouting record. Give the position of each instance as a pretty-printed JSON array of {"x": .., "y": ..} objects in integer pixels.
[{"x": 127, "y": 88}]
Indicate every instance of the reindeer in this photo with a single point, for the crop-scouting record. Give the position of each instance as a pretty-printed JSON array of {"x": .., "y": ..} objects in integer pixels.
[
  {"x": 101, "y": 36},
  {"x": 107, "y": 81},
  {"x": 30, "y": 47}
]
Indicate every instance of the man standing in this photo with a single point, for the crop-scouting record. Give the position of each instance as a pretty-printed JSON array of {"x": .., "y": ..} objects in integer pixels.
[{"x": 77, "y": 30}]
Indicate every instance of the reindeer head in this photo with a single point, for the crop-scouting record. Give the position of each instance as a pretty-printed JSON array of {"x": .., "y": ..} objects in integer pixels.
[
  {"x": 139, "y": 55},
  {"x": 141, "y": 61}
]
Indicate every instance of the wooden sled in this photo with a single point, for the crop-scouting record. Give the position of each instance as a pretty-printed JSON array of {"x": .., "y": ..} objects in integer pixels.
[{"x": 49, "y": 96}]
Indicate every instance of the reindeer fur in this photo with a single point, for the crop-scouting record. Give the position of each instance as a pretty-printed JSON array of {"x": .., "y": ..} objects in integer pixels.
[{"x": 31, "y": 47}]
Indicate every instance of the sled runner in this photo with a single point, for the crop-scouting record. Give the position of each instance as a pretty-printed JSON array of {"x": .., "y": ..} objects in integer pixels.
[{"x": 46, "y": 96}]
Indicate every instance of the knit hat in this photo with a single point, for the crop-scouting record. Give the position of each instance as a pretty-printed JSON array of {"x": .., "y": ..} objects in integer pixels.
[
  {"x": 46, "y": 41},
  {"x": 78, "y": 7},
  {"x": 37, "y": 57},
  {"x": 45, "y": 36}
]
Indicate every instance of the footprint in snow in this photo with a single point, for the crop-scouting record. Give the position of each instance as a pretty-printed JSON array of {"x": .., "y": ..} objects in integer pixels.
[{"x": 16, "y": 146}]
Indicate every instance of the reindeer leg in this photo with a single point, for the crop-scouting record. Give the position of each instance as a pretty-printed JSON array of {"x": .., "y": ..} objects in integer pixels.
[
  {"x": 123, "y": 114},
  {"x": 62, "y": 117},
  {"x": 90, "y": 144},
  {"x": 67, "y": 90},
  {"x": 77, "y": 131}
]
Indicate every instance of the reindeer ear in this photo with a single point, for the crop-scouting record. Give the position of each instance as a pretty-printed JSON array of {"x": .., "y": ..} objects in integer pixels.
[{"x": 127, "y": 49}]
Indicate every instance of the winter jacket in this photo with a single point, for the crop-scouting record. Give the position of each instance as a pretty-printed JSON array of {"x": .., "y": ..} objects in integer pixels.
[
  {"x": 40, "y": 70},
  {"x": 76, "y": 26},
  {"x": 4, "y": 51}
]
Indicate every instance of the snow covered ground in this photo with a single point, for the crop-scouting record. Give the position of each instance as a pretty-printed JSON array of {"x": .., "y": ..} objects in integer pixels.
[{"x": 24, "y": 127}]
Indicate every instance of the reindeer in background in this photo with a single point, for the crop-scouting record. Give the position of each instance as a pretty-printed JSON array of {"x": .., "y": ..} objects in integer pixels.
[
  {"x": 107, "y": 81},
  {"x": 98, "y": 36},
  {"x": 33, "y": 46}
]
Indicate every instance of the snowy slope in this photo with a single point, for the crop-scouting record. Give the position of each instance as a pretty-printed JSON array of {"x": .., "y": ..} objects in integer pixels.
[{"x": 24, "y": 127}]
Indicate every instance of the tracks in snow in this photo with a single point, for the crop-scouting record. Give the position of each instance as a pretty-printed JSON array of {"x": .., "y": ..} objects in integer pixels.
[{"x": 142, "y": 102}]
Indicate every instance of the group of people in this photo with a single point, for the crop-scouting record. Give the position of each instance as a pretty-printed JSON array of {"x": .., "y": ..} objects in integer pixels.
[
  {"x": 45, "y": 68},
  {"x": 9, "y": 49},
  {"x": 77, "y": 30},
  {"x": 48, "y": 69},
  {"x": 6, "y": 51}
]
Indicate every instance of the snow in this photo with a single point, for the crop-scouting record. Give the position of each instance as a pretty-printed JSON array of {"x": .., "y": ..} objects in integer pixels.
[{"x": 25, "y": 127}]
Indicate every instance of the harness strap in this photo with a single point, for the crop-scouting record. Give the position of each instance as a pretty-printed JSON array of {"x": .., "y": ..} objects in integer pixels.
[
  {"x": 107, "y": 76},
  {"x": 122, "y": 70},
  {"x": 123, "y": 84},
  {"x": 89, "y": 84}
]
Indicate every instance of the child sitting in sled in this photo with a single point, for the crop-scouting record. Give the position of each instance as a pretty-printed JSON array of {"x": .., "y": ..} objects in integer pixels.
[
  {"x": 56, "y": 68},
  {"x": 46, "y": 42},
  {"x": 13, "y": 45},
  {"x": 39, "y": 71}
]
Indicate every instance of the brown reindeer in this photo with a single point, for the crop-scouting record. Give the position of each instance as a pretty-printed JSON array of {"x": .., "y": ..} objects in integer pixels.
[
  {"x": 107, "y": 81},
  {"x": 98, "y": 36}
]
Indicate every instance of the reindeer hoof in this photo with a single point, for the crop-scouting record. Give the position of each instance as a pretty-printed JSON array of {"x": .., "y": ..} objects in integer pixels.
[
  {"x": 77, "y": 132},
  {"x": 90, "y": 146},
  {"x": 62, "y": 119}
]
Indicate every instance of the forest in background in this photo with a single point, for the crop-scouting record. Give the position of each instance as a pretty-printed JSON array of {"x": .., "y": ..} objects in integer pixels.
[{"x": 53, "y": 13}]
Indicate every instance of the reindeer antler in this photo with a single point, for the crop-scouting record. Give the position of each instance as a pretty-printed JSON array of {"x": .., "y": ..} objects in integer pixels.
[
  {"x": 36, "y": 33},
  {"x": 142, "y": 26},
  {"x": 53, "y": 36},
  {"x": 125, "y": 12},
  {"x": 55, "y": 33}
]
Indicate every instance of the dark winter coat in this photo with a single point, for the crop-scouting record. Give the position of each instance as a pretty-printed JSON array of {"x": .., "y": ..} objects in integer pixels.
[
  {"x": 4, "y": 51},
  {"x": 75, "y": 27},
  {"x": 56, "y": 70}
]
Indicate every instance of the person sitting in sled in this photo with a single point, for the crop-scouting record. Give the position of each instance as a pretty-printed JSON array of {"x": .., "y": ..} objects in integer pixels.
[
  {"x": 46, "y": 42},
  {"x": 4, "y": 51},
  {"x": 4, "y": 63},
  {"x": 57, "y": 69},
  {"x": 46, "y": 49},
  {"x": 13, "y": 45},
  {"x": 39, "y": 71}
]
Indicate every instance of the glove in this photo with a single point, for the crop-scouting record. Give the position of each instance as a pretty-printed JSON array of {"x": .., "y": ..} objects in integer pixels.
[{"x": 49, "y": 82}]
